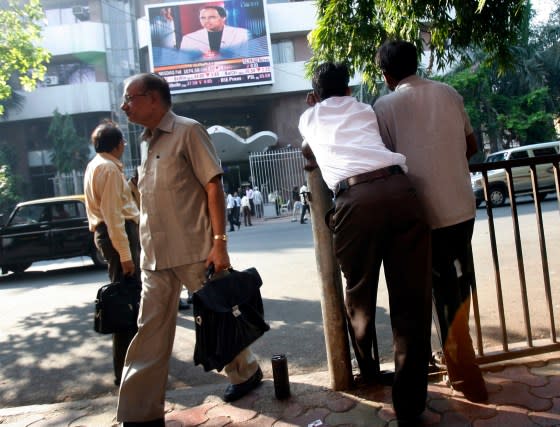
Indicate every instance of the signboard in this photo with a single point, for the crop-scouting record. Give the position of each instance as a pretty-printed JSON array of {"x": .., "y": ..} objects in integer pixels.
[{"x": 200, "y": 45}]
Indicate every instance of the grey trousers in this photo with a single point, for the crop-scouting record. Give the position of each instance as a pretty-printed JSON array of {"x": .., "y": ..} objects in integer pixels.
[{"x": 144, "y": 380}]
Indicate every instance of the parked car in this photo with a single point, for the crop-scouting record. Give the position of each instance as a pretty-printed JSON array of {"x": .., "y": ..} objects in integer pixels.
[
  {"x": 46, "y": 229},
  {"x": 497, "y": 179}
]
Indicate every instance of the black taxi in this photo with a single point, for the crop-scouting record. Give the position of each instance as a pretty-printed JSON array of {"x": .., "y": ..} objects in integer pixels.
[{"x": 46, "y": 229}]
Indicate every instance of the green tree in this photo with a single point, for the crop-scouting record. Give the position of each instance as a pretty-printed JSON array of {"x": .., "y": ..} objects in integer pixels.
[
  {"x": 20, "y": 54},
  {"x": 8, "y": 193},
  {"x": 352, "y": 30},
  {"x": 518, "y": 105},
  {"x": 70, "y": 151}
]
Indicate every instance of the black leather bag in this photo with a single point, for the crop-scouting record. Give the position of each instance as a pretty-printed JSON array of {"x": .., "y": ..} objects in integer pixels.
[
  {"x": 116, "y": 307},
  {"x": 229, "y": 316}
]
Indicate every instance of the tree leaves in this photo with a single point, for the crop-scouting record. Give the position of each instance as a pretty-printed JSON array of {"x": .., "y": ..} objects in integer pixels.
[
  {"x": 20, "y": 54},
  {"x": 351, "y": 30}
]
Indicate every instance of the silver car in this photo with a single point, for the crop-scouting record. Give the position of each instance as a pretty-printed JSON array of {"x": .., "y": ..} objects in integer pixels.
[{"x": 497, "y": 179}]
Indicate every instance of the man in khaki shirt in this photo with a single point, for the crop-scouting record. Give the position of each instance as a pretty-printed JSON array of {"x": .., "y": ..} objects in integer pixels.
[
  {"x": 113, "y": 217},
  {"x": 182, "y": 232}
]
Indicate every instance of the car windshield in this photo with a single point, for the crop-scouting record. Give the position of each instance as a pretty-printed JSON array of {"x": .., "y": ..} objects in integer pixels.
[
  {"x": 496, "y": 158},
  {"x": 32, "y": 214}
]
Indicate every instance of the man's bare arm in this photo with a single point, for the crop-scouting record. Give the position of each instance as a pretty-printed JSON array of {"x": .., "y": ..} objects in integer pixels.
[{"x": 216, "y": 209}]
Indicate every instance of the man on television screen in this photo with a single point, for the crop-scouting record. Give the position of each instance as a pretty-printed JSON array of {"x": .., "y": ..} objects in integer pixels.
[{"x": 216, "y": 38}]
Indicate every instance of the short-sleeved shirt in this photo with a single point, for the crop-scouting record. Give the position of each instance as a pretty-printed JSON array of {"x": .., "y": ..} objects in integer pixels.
[
  {"x": 344, "y": 137},
  {"x": 175, "y": 227},
  {"x": 427, "y": 122}
]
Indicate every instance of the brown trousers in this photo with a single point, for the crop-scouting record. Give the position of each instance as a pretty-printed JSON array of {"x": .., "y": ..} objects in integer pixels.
[
  {"x": 453, "y": 279},
  {"x": 383, "y": 221}
]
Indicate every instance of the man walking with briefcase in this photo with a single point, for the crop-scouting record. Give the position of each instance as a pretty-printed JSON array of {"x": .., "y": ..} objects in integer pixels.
[{"x": 113, "y": 217}]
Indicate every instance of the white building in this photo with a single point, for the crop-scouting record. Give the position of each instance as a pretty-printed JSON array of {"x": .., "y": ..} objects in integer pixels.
[{"x": 96, "y": 44}]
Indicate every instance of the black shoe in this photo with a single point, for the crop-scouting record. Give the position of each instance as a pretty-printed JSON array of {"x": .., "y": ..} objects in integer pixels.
[
  {"x": 183, "y": 305},
  {"x": 237, "y": 391},
  {"x": 117, "y": 382}
]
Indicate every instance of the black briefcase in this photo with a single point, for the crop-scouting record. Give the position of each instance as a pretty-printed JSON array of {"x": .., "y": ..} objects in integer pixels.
[
  {"x": 116, "y": 307},
  {"x": 229, "y": 316}
]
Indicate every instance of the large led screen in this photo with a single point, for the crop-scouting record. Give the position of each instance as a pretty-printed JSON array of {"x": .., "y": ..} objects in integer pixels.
[{"x": 210, "y": 45}]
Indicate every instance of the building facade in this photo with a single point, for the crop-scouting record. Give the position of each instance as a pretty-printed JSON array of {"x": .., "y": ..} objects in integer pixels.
[{"x": 96, "y": 44}]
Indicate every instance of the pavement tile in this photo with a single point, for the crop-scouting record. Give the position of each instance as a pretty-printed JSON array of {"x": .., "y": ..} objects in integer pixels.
[
  {"x": 363, "y": 414},
  {"x": 521, "y": 374},
  {"x": 549, "y": 418},
  {"x": 469, "y": 410},
  {"x": 217, "y": 422},
  {"x": 428, "y": 418},
  {"x": 552, "y": 368},
  {"x": 337, "y": 403},
  {"x": 259, "y": 421},
  {"x": 374, "y": 393},
  {"x": 192, "y": 416},
  {"x": 517, "y": 394},
  {"x": 314, "y": 398},
  {"x": 278, "y": 408},
  {"x": 552, "y": 389},
  {"x": 235, "y": 414},
  {"x": 453, "y": 419},
  {"x": 305, "y": 419},
  {"x": 509, "y": 416}
]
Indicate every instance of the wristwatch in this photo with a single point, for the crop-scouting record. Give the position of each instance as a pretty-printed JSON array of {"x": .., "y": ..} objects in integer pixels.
[{"x": 220, "y": 237}]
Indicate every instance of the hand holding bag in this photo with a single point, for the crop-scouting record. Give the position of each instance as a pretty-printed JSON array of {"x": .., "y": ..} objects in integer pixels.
[
  {"x": 229, "y": 316},
  {"x": 116, "y": 307}
]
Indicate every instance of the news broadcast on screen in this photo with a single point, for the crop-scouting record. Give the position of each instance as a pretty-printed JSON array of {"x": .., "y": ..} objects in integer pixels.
[{"x": 202, "y": 45}]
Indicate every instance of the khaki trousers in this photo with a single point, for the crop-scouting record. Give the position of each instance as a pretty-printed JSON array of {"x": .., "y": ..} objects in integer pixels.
[{"x": 144, "y": 380}]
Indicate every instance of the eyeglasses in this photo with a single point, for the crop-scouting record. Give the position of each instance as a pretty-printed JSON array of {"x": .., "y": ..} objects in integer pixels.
[{"x": 128, "y": 98}]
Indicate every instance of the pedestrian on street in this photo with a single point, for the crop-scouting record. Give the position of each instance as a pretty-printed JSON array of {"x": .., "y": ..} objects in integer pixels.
[
  {"x": 426, "y": 121},
  {"x": 113, "y": 217},
  {"x": 377, "y": 218},
  {"x": 182, "y": 233},
  {"x": 304, "y": 196},
  {"x": 258, "y": 201},
  {"x": 246, "y": 210}
]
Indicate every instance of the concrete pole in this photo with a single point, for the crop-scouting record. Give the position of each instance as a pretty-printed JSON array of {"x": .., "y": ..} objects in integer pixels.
[{"x": 332, "y": 299}]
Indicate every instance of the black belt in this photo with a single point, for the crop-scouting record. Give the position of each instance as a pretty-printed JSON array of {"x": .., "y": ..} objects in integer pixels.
[{"x": 367, "y": 177}]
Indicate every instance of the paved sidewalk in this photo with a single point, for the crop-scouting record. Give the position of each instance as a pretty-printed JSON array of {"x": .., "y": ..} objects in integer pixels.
[{"x": 522, "y": 393}]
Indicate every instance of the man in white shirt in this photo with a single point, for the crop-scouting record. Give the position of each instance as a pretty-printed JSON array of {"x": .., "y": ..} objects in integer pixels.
[
  {"x": 377, "y": 218},
  {"x": 304, "y": 199},
  {"x": 113, "y": 216},
  {"x": 258, "y": 201},
  {"x": 246, "y": 210}
]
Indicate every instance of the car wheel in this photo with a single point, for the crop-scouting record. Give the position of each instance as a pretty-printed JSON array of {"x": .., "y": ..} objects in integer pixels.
[
  {"x": 97, "y": 258},
  {"x": 497, "y": 196},
  {"x": 17, "y": 268}
]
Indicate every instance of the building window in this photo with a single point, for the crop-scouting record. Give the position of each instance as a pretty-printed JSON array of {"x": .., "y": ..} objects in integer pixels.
[{"x": 283, "y": 51}]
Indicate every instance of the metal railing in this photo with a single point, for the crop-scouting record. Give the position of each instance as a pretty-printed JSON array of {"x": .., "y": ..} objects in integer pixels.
[
  {"x": 528, "y": 345},
  {"x": 68, "y": 184},
  {"x": 276, "y": 173}
]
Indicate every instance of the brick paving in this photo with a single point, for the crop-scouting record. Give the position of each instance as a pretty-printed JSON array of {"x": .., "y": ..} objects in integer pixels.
[{"x": 521, "y": 393}]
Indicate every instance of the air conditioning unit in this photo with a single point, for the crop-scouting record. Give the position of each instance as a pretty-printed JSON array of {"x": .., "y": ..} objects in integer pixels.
[
  {"x": 81, "y": 12},
  {"x": 51, "y": 80}
]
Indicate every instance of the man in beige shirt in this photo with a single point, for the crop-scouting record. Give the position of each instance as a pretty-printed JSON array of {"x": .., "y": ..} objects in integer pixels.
[
  {"x": 182, "y": 232},
  {"x": 113, "y": 217}
]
